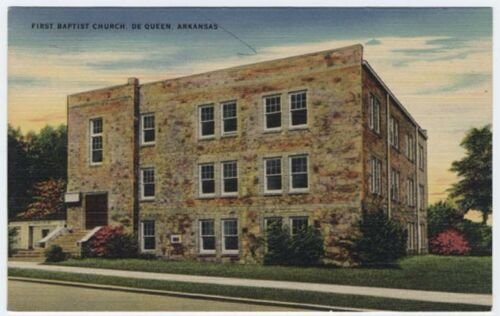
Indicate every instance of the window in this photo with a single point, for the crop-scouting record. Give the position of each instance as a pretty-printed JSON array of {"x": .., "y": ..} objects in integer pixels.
[
  {"x": 207, "y": 236},
  {"x": 374, "y": 115},
  {"x": 395, "y": 185},
  {"x": 272, "y": 106},
  {"x": 148, "y": 129},
  {"x": 147, "y": 183},
  {"x": 229, "y": 178},
  {"x": 297, "y": 224},
  {"x": 375, "y": 176},
  {"x": 207, "y": 123},
  {"x": 421, "y": 157},
  {"x": 229, "y": 118},
  {"x": 207, "y": 179},
  {"x": 273, "y": 175},
  {"x": 394, "y": 132},
  {"x": 410, "y": 192},
  {"x": 230, "y": 236},
  {"x": 148, "y": 235},
  {"x": 298, "y": 173},
  {"x": 411, "y": 236},
  {"x": 271, "y": 221},
  {"x": 410, "y": 147},
  {"x": 45, "y": 232},
  {"x": 298, "y": 109},
  {"x": 421, "y": 195},
  {"x": 96, "y": 141}
]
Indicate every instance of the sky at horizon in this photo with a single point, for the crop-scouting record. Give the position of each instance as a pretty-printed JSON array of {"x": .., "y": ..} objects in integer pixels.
[{"x": 437, "y": 61}]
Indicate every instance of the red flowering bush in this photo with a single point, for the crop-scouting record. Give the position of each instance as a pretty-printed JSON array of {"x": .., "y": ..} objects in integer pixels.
[
  {"x": 48, "y": 199},
  {"x": 450, "y": 242},
  {"x": 112, "y": 242}
]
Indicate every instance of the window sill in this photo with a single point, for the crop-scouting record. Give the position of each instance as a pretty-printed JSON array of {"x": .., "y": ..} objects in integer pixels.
[
  {"x": 206, "y": 137},
  {"x": 206, "y": 254},
  {"x": 230, "y": 254},
  {"x": 148, "y": 144},
  {"x": 228, "y": 195},
  {"x": 269, "y": 131},
  {"x": 298, "y": 192},
  {"x": 206, "y": 197},
  {"x": 147, "y": 200},
  {"x": 95, "y": 164},
  {"x": 230, "y": 135},
  {"x": 273, "y": 193},
  {"x": 298, "y": 128}
]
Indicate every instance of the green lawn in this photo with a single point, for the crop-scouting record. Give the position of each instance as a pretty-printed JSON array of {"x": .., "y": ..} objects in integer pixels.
[
  {"x": 436, "y": 273},
  {"x": 366, "y": 302}
]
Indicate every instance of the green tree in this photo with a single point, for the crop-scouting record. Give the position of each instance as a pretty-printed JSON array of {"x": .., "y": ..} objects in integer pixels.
[
  {"x": 474, "y": 188},
  {"x": 18, "y": 180},
  {"x": 441, "y": 216}
]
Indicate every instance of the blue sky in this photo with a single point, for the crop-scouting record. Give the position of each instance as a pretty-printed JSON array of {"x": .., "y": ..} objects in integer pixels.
[{"x": 437, "y": 61}]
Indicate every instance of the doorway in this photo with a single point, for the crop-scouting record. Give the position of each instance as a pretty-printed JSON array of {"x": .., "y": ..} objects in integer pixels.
[{"x": 96, "y": 210}]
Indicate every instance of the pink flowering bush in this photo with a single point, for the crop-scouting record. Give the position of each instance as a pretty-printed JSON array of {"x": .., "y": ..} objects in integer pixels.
[
  {"x": 450, "y": 242},
  {"x": 112, "y": 242}
]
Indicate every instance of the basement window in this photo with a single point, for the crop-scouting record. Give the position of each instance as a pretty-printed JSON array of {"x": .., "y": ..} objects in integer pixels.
[{"x": 272, "y": 110}]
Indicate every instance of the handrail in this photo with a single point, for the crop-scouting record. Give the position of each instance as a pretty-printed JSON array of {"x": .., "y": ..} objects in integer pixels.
[
  {"x": 88, "y": 235},
  {"x": 53, "y": 234}
]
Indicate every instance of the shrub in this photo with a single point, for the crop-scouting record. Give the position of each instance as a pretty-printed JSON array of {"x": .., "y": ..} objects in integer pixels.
[
  {"x": 441, "y": 216},
  {"x": 305, "y": 248},
  {"x": 382, "y": 241},
  {"x": 55, "y": 254},
  {"x": 112, "y": 242},
  {"x": 478, "y": 235},
  {"x": 450, "y": 242},
  {"x": 12, "y": 234}
]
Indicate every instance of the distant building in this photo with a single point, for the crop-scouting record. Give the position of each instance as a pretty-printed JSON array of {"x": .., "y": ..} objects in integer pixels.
[{"x": 200, "y": 165}]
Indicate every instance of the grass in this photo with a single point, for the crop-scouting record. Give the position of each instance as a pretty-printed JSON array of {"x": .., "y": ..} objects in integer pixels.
[
  {"x": 433, "y": 273},
  {"x": 249, "y": 292}
]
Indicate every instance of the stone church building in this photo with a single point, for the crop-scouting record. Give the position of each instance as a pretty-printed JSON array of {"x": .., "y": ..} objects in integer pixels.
[{"x": 198, "y": 166}]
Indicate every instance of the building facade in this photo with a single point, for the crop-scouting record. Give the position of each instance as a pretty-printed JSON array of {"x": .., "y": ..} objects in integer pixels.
[{"x": 199, "y": 166}]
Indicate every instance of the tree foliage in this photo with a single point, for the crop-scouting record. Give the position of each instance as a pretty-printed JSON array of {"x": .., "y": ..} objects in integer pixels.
[
  {"x": 33, "y": 159},
  {"x": 441, "y": 216},
  {"x": 474, "y": 188},
  {"x": 47, "y": 200}
]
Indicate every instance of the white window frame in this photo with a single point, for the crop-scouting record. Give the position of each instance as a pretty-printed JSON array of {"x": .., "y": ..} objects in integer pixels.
[
  {"x": 290, "y": 110},
  {"x": 222, "y": 190},
  {"x": 395, "y": 189},
  {"x": 143, "y": 236},
  {"x": 229, "y": 251},
  {"x": 394, "y": 132},
  {"x": 207, "y": 251},
  {"x": 410, "y": 147},
  {"x": 223, "y": 119},
  {"x": 144, "y": 129},
  {"x": 421, "y": 157},
  {"x": 91, "y": 138},
  {"x": 421, "y": 197},
  {"x": 266, "y": 190},
  {"x": 293, "y": 218},
  {"x": 200, "y": 180},
  {"x": 142, "y": 182},
  {"x": 374, "y": 114},
  {"x": 200, "y": 121},
  {"x": 290, "y": 174},
  {"x": 375, "y": 176},
  {"x": 265, "y": 113}
]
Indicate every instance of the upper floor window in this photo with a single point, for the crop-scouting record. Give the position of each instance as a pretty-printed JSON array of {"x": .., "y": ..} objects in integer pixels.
[
  {"x": 207, "y": 179},
  {"x": 374, "y": 114},
  {"x": 207, "y": 120},
  {"x": 421, "y": 196},
  {"x": 147, "y": 183},
  {"x": 272, "y": 110},
  {"x": 394, "y": 132},
  {"x": 148, "y": 129},
  {"x": 148, "y": 235},
  {"x": 375, "y": 176},
  {"x": 207, "y": 236},
  {"x": 229, "y": 117},
  {"x": 96, "y": 141},
  {"x": 298, "y": 173},
  {"x": 410, "y": 192},
  {"x": 298, "y": 109},
  {"x": 421, "y": 157},
  {"x": 272, "y": 170},
  {"x": 297, "y": 224},
  {"x": 229, "y": 178},
  {"x": 230, "y": 243},
  {"x": 394, "y": 185},
  {"x": 410, "y": 147}
]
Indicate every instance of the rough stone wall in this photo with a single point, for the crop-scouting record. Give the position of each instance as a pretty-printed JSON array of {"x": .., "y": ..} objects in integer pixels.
[
  {"x": 333, "y": 141},
  {"x": 422, "y": 180},
  {"x": 116, "y": 173}
]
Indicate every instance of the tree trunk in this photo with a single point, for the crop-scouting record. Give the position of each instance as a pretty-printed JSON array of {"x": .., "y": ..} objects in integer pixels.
[{"x": 485, "y": 217}]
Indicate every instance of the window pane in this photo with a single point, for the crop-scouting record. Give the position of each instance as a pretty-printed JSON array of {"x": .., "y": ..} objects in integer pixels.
[
  {"x": 298, "y": 224},
  {"x": 230, "y": 185},
  {"x": 149, "y": 121},
  {"x": 230, "y": 227},
  {"x": 229, "y": 110},
  {"x": 149, "y": 135},
  {"x": 274, "y": 182},
  {"x": 208, "y": 186},
  {"x": 207, "y": 128},
  {"x": 207, "y": 228},
  {"x": 299, "y": 164},
  {"x": 230, "y": 170},
  {"x": 299, "y": 181},
  {"x": 207, "y": 113},
  {"x": 97, "y": 126},
  {"x": 97, "y": 142},
  {"x": 273, "y": 120},
  {"x": 230, "y": 125},
  {"x": 149, "y": 243},
  {"x": 207, "y": 171},
  {"x": 208, "y": 243},
  {"x": 273, "y": 166},
  {"x": 97, "y": 156},
  {"x": 299, "y": 117},
  {"x": 231, "y": 243},
  {"x": 298, "y": 101},
  {"x": 149, "y": 189},
  {"x": 273, "y": 104}
]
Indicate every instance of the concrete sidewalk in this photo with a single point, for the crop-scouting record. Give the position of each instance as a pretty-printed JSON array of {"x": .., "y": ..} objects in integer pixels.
[{"x": 404, "y": 294}]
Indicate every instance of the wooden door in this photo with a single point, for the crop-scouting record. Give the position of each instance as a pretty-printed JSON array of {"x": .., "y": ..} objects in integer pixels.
[{"x": 96, "y": 210}]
